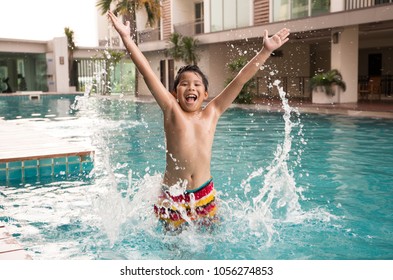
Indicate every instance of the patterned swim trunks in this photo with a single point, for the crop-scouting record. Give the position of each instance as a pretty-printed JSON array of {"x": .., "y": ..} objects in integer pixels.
[{"x": 197, "y": 205}]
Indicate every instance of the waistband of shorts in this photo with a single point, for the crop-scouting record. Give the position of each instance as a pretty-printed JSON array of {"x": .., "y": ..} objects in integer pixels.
[{"x": 201, "y": 187}]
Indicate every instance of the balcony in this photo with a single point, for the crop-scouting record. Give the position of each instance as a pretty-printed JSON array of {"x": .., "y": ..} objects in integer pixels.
[
  {"x": 359, "y": 4},
  {"x": 149, "y": 35},
  {"x": 190, "y": 28}
]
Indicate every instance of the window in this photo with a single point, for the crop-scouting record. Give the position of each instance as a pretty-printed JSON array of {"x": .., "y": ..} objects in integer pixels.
[
  {"x": 243, "y": 15},
  {"x": 378, "y": 2},
  {"x": 319, "y": 7},
  {"x": 299, "y": 8},
  {"x": 199, "y": 18},
  {"x": 163, "y": 72},
  {"x": 280, "y": 10},
  {"x": 229, "y": 14},
  {"x": 292, "y": 9},
  {"x": 216, "y": 15},
  {"x": 167, "y": 73}
]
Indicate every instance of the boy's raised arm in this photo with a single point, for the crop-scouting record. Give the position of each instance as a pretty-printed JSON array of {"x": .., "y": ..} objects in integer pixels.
[
  {"x": 160, "y": 93},
  {"x": 229, "y": 94}
]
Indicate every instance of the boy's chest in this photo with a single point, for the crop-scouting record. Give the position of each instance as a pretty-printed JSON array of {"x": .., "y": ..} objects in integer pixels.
[{"x": 190, "y": 127}]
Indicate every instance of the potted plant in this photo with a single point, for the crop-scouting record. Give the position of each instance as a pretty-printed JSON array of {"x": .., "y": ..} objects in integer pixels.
[{"x": 327, "y": 86}]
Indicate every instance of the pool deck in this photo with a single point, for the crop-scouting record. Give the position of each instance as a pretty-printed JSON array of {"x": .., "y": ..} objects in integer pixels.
[
  {"x": 10, "y": 249},
  {"x": 382, "y": 109},
  {"x": 21, "y": 142},
  {"x": 28, "y": 151}
]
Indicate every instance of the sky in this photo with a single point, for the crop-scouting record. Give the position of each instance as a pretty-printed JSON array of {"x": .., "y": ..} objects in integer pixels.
[{"x": 45, "y": 19}]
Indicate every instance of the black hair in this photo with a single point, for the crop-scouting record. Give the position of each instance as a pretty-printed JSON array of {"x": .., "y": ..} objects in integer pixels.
[{"x": 190, "y": 68}]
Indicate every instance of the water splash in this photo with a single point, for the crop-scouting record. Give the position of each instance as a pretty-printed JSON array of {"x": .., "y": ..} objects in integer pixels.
[
  {"x": 278, "y": 198},
  {"x": 277, "y": 201},
  {"x": 132, "y": 206},
  {"x": 80, "y": 101},
  {"x": 254, "y": 220}
]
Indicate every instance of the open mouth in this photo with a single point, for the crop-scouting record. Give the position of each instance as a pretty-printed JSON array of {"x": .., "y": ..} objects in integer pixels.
[{"x": 191, "y": 98}]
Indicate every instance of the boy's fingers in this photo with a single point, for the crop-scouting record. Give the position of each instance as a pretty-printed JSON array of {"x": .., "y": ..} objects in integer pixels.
[
  {"x": 265, "y": 36},
  {"x": 111, "y": 15},
  {"x": 283, "y": 34}
]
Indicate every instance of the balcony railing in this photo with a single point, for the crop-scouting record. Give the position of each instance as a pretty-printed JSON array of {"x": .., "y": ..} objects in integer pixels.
[
  {"x": 359, "y": 4},
  {"x": 189, "y": 28},
  {"x": 297, "y": 87},
  {"x": 149, "y": 35}
]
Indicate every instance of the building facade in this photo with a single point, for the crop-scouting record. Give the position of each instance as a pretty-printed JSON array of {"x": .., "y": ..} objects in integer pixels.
[
  {"x": 34, "y": 65},
  {"x": 353, "y": 36}
]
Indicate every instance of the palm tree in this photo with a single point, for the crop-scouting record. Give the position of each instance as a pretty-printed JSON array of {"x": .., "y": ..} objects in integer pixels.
[
  {"x": 190, "y": 55},
  {"x": 111, "y": 58},
  {"x": 176, "y": 49},
  {"x": 183, "y": 48},
  {"x": 128, "y": 8},
  {"x": 71, "y": 47}
]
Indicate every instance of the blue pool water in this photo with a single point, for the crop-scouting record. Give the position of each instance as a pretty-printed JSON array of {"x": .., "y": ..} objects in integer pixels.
[
  {"x": 36, "y": 106},
  {"x": 310, "y": 187}
]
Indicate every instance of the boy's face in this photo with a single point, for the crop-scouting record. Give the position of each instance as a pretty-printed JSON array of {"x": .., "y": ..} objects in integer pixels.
[{"x": 190, "y": 92}]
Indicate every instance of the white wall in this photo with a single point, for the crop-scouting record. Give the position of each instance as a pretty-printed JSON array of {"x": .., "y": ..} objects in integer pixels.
[
  {"x": 154, "y": 59},
  {"x": 22, "y": 46},
  {"x": 57, "y": 65},
  {"x": 104, "y": 28},
  {"x": 214, "y": 59},
  {"x": 337, "y": 5}
]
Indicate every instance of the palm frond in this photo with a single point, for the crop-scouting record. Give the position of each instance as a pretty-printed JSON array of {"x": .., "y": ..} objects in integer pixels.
[
  {"x": 153, "y": 10},
  {"x": 327, "y": 79},
  {"x": 70, "y": 38},
  {"x": 104, "y": 5},
  {"x": 176, "y": 49},
  {"x": 190, "y": 55},
  {"x": 125, "y": 7}
]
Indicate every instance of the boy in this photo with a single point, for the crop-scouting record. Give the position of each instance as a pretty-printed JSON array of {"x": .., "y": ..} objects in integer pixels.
[{"x": 188, "y": 191}]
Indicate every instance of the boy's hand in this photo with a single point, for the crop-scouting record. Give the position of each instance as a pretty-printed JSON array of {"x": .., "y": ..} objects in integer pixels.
[
  {"x": 276, "y": 41},
  {"x": 122, "y": 29}
]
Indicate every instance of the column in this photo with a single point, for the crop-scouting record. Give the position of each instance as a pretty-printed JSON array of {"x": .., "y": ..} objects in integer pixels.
[
  {"x": 57, "y": 62},
  {"x": 344, "y": 57}
]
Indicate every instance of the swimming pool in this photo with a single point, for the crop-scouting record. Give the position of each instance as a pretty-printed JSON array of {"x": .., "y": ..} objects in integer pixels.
[
  {"x": 38, "y": 105},
  {"x": 317, "y": 187}
]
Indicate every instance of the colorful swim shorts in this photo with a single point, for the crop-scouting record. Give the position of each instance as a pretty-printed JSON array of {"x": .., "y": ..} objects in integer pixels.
[{"x": 194, "y": 205}]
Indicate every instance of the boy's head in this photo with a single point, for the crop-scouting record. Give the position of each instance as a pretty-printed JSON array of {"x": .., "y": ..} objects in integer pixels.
[
  {"x": 190, "y": 88},
  {"x": 190, "y": 68}
]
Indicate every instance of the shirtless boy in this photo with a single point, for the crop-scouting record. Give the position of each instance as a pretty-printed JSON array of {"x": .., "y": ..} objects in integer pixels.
[{"x": 188, "y": 192}]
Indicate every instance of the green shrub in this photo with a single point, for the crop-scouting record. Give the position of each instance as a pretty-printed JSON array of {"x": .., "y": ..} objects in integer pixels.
[{"x": 246, "y": 94}]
